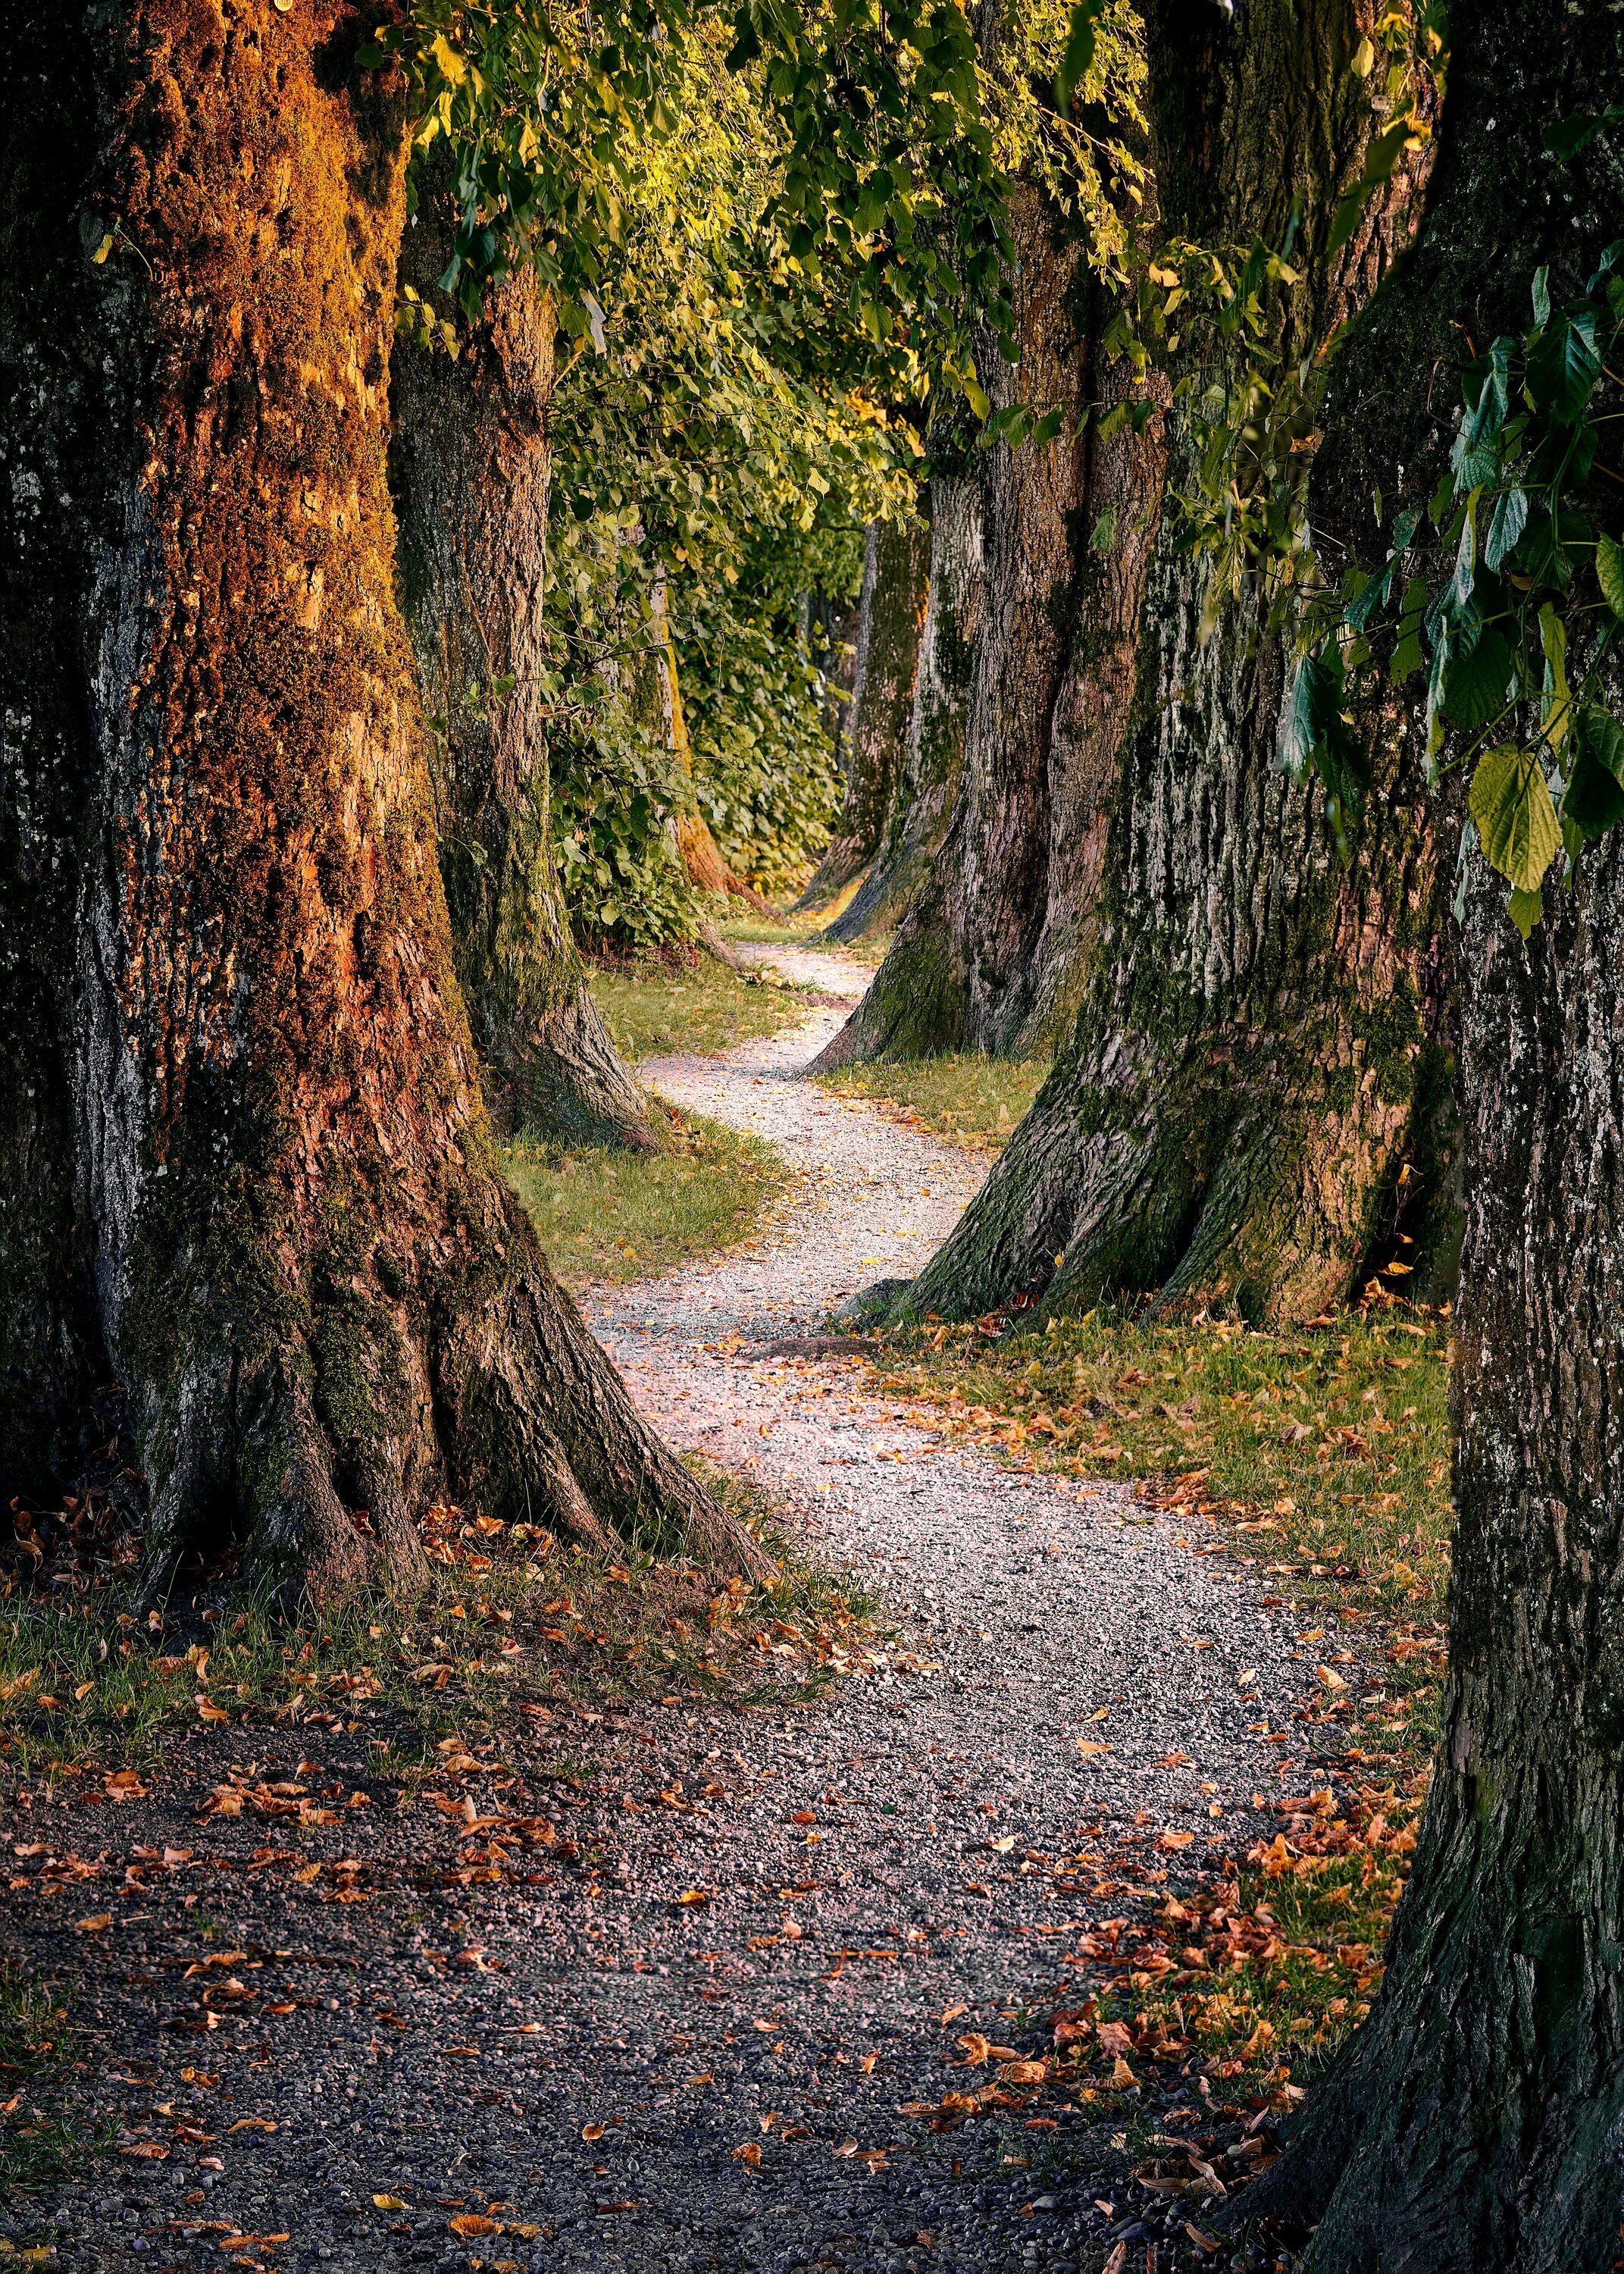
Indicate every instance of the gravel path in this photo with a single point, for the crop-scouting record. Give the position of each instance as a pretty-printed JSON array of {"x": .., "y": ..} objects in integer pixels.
[{"x": 882, "y": 1873}]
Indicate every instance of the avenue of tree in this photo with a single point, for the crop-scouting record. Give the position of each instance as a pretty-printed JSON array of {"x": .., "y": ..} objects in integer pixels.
[{"x": 283, "y": 927}]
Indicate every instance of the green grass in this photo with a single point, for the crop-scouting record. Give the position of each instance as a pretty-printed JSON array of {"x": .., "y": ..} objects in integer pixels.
[
  {"x": 1319, "y": 1459},
  {"x": 656, "y": 1009},
  {"x": 607, "y": 1214},
  {"x": 39, "y": 2137},
  {"x": 502, "y": 1619},
  {"x": 969, "y": 1099}
]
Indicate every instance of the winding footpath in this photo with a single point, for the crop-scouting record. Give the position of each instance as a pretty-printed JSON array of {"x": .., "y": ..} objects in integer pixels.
[{"x": 600, "y": 2075}]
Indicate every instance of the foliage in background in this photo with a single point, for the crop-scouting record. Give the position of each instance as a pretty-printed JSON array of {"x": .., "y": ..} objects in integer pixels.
[
  {"x": 765, "y": 769},
  {"x": 705, "y": 475}
]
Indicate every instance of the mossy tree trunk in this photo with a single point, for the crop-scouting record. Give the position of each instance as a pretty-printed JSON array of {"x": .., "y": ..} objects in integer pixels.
[
  {"x": 1258, "y": 1048},
  {"x": 323, "y": 1304},
  {"x": 890, "y": 620},
  {"x": 955, "y": 973},
  {"x": 933, "y": 761},
  {"x": 1477, "y": 2121},
  {"x": 470, "y": 466}
]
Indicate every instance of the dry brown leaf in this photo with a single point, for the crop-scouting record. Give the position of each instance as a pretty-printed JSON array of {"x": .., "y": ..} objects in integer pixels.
[
  {"x": 97, "y": 1923},
  {"x": 693, "y": 1895},
  {"x": 593, "y": 2131},
  {"x": 474, "y": 2222},
  {"x": 747, "y": 2152}
]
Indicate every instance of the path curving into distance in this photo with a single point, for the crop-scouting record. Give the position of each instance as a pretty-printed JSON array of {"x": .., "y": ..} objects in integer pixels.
[{"x": 575, "y": 2066}]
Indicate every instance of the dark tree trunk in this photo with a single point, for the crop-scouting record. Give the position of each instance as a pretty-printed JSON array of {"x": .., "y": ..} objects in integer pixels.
[
  {"x": 1477, "y": 2121},
  {"x": 1259, "y": 1019},
  {"x": 933, "y": 763},
  {"x": 955, "y": 974},
  {"x": 470, "y": 465},
  {"x": 260, "y": 1123},
  {"x": 890, "y": 619}
]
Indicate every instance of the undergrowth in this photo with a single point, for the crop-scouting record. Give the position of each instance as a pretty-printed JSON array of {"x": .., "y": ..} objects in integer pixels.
[
  {"x": 605, "y": 1214},
  {"x": 969, "y": 1099}
]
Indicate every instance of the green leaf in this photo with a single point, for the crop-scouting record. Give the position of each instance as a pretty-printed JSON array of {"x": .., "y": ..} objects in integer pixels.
[
  {"x": 1079, "y": 56},
  {"x": 1525, "y": 910},
  {"x": 1593, "y": 801},
  {"x": 1610, "y": 573},
  {"x": 1475, "y": 678},
  {"x": 1510, "y": 519},
  {"x": 1563, "y": 367},
  {"x": 1516, "y": 821},
  {"x": 1557, "y": 708}
]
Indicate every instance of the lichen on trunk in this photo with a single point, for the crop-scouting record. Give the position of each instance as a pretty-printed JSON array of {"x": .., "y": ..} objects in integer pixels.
[
  {"x": 470, "y": 467},
  {"x": 323, "y": 1303}
]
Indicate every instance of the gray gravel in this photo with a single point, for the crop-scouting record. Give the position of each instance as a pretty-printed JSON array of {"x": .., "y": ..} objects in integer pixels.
[{"x": 915, "y": 1821}]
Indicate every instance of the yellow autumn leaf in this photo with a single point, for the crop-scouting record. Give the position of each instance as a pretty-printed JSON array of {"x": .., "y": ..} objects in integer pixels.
[{"x": 390, "y": 2202}]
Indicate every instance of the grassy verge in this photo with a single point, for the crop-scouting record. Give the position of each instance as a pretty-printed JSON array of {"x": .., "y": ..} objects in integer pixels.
[
  {"x": 655, "y": 1010},
  {"x": 1320, "y": 1460},
  {"x": 968, "y": 1099},
  {"x": 39, "y": 2135},
  {"x": 505, "y": 1621},
  {"x": 607, "y": 1214}
]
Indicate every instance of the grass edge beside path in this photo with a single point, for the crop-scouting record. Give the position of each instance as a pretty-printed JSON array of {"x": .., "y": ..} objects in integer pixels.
[
  {"x": 1319, "y": 1459},
  {"x": 962, "y": 1096}
]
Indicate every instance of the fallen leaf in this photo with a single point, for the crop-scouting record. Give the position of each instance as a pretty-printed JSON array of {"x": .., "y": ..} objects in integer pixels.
[
  {"x": 1122, "y": 2077},
  {"x": 1115, "y": 2037},
  {"x": 253, "y": 2124},
  {"x": 1025, "y": 2072},
  {"x": 96, "y": 1925},
  {"x": 474, "y": 2222},
  {"x": 693, "y": 1895},
  {"x": 1174, "y": 1840},
  {"x": 1118, "y": 2260},
  {"x": 593, "y": 2131},
  {"x": 1090, "y": 1748},
  {"x": 952, "y": 2015},
  {"x": 1203, "y": 2242},
  {"x": 749, "y": 2152},
  {"x": 153, "y": 2149},
  {"x": 390, "y": 2202}
]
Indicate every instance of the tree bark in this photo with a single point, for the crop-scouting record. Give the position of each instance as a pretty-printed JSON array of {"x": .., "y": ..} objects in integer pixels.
[
  {"x": 932, "y": 762},
  {"x": 890, "y": 621},
  {"x": 325, "y": 1306},
  {"x": 471, "y": 467},
  {"x": 1259, "y": 1040},
  {"x": 1476, "y": 2119}
]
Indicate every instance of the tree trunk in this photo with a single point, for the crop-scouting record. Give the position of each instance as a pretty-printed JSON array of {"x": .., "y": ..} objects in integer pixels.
[
  {"x": 1258, "y": 1035},
  {"x": 1476, "y": 2120},
  {"x": 470, "y": 466},
  {"x": 891, "y": 615},
  {"x": 955, "y": 972},
  {"x": 325, "y": 1306},
  {"x": 658, "y": 703},
  {"x": 933, "y": 763}
]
